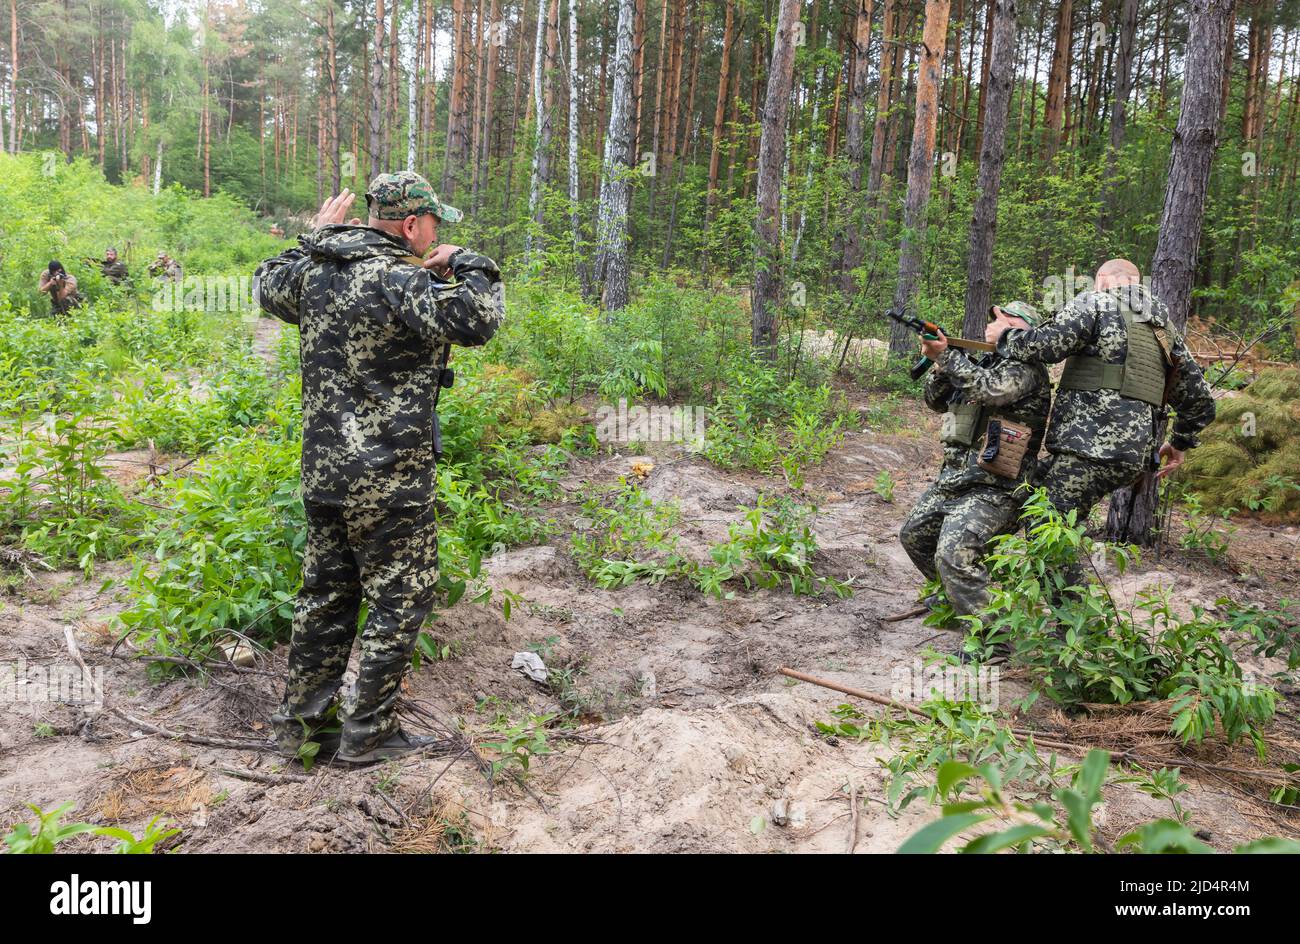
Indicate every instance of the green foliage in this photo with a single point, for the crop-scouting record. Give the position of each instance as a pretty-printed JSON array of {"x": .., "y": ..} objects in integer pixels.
[
  {"x": 227, "y": 556},
  {"x": 760, "y": 422},
  {"x": 1068, "y": 825},
  {"x": 75, "y": 214},
  {"x": 517, "y": 744},
  {"x": 51, "y": 830},
  {"x": 1251, "y": 451},
  {"x": 773, "y": 546},
  {"x": 625, "y": 536},
  {"x": 1276, "y": 632},
  {"x": 1206, "y": 534},
  {"x": 1082, "y": 648}
]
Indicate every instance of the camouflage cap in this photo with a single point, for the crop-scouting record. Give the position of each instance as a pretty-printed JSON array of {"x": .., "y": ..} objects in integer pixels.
[
  {"x": 406, "y": 193},
  {"x": 1024, "y": 311}
]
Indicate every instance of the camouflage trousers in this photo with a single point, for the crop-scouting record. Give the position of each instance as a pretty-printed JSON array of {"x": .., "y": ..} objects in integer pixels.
[
  {"x": 947, "y": 536},
  {"x": 1076, "y": 484},
  {"x": 389, "y": 557}
]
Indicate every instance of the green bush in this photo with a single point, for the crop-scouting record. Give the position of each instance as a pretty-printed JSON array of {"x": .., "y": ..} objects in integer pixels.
[{"x": 1250, "y": 459}]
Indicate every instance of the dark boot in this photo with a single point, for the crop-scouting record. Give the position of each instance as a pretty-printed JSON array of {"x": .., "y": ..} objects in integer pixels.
[{"x": 399, "y": 744}]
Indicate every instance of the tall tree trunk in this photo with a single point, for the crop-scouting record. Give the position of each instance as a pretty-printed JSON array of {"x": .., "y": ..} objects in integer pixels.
[
  {"x": 394, "y": 100},
  {"x": 659, "y": 95},
  {"x": 574, "y": 215},
  {"x": 983, "y": 224},
  {"x": 611, "y": 235},
  {"x": 375, "y": 124},
  {"x": 854, "y": 141},
  {"x": 13, "y": 76},
  {"x": 720, "y": 109},
  {"x": 489, "y": 102},
  {"x": 1133, "y": 511},
  {"x": 771, "y": 151},
  {"x": 413, "y": 99},
  {"x": 638, "y": 80},
  {"x": 920, "y": 169},
  {"x": 332, "y": 107},
  {"x": 985, "y": 64},
  {"x": 541, "y": 136},
  {"x": 1058, "y": 81},
  {"x": 1119, "y": 106},
  {"x": 888, "y": 36}
]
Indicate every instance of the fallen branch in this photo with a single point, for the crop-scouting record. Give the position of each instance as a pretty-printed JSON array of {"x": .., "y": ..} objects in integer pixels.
[
  {"x": 1078, "y": 750},
  {"x": 899, "y": 617},
  {"x": 855, "y": 692},
  {"x": 276, "y": 779},
  {"x": 102, "y": 701}
]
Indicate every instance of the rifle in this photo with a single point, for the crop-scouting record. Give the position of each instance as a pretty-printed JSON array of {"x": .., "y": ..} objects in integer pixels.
[{"x": 930, "y": 331}]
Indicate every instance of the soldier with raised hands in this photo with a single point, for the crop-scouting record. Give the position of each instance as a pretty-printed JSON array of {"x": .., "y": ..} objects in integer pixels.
[{"x": 376, "y": 319}]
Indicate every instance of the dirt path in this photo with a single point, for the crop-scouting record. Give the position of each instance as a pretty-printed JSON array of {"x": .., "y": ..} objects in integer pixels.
[{"x": 690, "y": 740}]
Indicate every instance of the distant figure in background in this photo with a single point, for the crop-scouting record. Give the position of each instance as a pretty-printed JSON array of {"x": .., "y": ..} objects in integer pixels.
[
  {"x": 165, "y": 267},
  {"x": 113, "y": 268},
  {"x": 277, "y": 231},
  {"x": 62, "y": 288}
]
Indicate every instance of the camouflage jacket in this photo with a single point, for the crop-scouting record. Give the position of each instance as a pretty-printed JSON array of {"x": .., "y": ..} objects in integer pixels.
[
  {"x": 115, "y": 272},
  {"x": 1004, "y": 385},
  {"x": 1100, "y": 424},
  {"x": 373, "y": 327}
]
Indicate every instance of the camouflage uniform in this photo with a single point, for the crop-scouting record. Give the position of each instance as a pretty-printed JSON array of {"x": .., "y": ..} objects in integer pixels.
[
  {"x": 60, "y": 306},
  {"x": 1098, "y": 440},
  {"x": 373, "y": 325},
  {"x": 948, "y": 531},
  {"x": 114, "y": 271},
  {"x": 166, "y": 268}
]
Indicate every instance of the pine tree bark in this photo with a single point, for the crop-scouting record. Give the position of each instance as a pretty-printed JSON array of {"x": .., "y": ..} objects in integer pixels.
[
  {"x": 332, "y": 110},
  {"x": 1132, "y": 515},
  {"x": 720, "y": 109},
  {"x": 983, "y": 224},
  {"x": 1119, "y": 106},
  {"x": 984, "y": 79},
  {"x": 542, "y": 134},
  {"x": 374, "y": 126},
  {"x": 771, "y": 153},
  {"x": 1058, "y": 81},
  {"x": 574, "y": 216},
  {"x": 888, "y": 37},
  {"x": 920, "y": 169}
]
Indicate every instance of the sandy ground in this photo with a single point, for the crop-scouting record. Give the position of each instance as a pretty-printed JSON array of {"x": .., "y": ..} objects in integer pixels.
[{"x": 687, "y": 737}]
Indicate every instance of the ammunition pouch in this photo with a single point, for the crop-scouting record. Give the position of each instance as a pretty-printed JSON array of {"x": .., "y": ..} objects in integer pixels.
[
  {"x": 1008, "y": 438},
  {"x": 1006, "y": 444},
  {"x": 962, "y": 425}
]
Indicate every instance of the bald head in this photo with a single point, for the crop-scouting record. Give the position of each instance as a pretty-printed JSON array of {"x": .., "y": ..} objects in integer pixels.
[{"x": 1117, "y": 272}]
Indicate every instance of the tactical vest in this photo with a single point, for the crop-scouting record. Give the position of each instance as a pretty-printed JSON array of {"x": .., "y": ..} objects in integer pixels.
[{"x": 1142, "y": 374}]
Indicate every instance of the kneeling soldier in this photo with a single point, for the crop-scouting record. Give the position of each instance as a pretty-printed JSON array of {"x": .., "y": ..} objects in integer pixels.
[{"x": 995, "y": 410}]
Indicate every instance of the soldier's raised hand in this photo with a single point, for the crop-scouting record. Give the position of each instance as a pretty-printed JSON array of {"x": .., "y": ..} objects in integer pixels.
[{"x": 334, "y": 210}]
